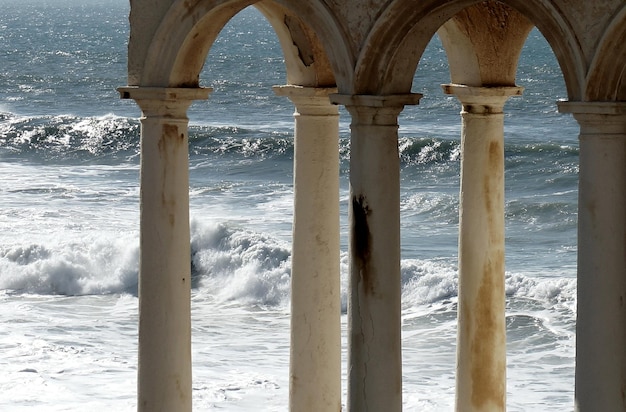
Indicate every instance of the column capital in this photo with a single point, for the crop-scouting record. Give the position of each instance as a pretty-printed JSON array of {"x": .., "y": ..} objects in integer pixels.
[
  {"x": 309, "y": 101},
  {"x": 378, "y": 101},
  {"x": 381, "y": 110},
  {"x": 604, "y": 118},
  {"x": 605, "y": 108},
  {"x": 164, "y": 101},
  {"x": 482, "y": 100},
  {"x": 291, "y": 90}
]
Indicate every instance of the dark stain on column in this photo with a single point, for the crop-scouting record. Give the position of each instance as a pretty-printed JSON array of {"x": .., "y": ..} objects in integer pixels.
[{"x": 362, "y": 241}]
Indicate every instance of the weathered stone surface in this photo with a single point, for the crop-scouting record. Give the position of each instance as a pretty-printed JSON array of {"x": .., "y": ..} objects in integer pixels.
[
  {"x": 374, "y": 46},
  {"x": 483, "y": 43}
]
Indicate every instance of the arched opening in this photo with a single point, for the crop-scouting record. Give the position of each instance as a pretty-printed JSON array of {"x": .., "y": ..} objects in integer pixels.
[
  {"x": 242, "y": 151},
  {"x": 241, "y": 162},
  {"x": 316, "y": 52},
  {"x": 541, "y": 165},
  {"x": 397, "y": 41},
  {"x": 541, "y": 214},
  {"x": 541, "y": 185}
]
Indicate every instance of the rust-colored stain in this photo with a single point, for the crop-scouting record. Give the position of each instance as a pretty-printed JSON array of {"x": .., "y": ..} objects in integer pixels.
[
  {"x": 362, "y": 241},
  {"x": 492, "y": 178},
  {"x": 169, "y": 144},
  {"x": 179, "y": 388},
  {"x": 488, "y": 373}
]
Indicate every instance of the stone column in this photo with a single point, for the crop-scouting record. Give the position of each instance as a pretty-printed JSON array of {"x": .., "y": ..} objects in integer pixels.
[
  {"x": 374, "y": 353},
  {"x": 601, "y": 315},
  {"x": 315, "y": 363},
  {"x": 164, "y": 372},
  {"x": 481, "y": 341}
]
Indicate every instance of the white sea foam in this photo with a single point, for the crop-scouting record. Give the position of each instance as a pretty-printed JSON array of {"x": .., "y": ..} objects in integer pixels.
[
  {"x": 101, "y": 265},
  {"x": 230, "y": 263}
]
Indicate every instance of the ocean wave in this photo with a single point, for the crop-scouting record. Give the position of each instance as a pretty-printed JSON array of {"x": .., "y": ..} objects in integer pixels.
[
  {"x": 70, "y": 138},
  {"x": 238, "y": 141},
  {"x": 236, "y": 264},
  {"x": 540, "y": 213},
  {"x": 426, "y": 281},
  {"x": 422, "y": 151},
  {"x": 433, "y": 206},
  {"x": 84, "y": 139},
  {"x": 437, "y": 150},
  {"x": 95, "y": 266},
  {"x": 520, "y": 147},
  {"x": 241, "y": 265},
  {"x": 231, "y": 264},
  {"x": 63, "y": 138}
]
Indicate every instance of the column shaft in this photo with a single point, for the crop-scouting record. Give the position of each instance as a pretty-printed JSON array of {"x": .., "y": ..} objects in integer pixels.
[
  {"x": 601, "y": 315},
  {"x": 164, "y": 372},
  {"x": 481, "y": 345},
  {"x": 374, "y": 307},
  {"x": 315, "y": 363}
]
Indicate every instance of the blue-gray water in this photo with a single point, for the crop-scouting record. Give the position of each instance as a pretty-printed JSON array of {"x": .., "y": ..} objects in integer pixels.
[{"x": 69, "y": 222}]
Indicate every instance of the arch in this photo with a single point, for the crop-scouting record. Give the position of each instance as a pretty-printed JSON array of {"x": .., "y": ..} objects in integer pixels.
[
  {"x": 398, "y": 39},
  {"x": 182, "y": 41},
  {"x": 606, "y": 79}
]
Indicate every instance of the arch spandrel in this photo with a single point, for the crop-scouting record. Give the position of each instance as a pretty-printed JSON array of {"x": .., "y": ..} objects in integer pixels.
[
  {"x": 389, "y": 59},
  {"x": 483, "y": 43},
  {"x": 307, "y": 64},
  {"x": 182, "y": 42},
  {"x": 144, "y": 20},
  {"x": 606, "y": 80},
  {"x": 177, "y": 51}
]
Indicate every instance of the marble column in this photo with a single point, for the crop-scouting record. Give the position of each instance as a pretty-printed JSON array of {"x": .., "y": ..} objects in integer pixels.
[
  {"x": 601, "y": 314},
  {"x": 164, "y": 372},
  {"x": 374, "y": 353},
  {"x": 481, "y": 336},
  {"x": 315, "y": 359}
]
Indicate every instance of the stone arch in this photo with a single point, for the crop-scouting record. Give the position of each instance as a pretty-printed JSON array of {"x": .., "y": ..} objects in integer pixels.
[
  {"x": 606, "y": 79},
  {"x": 182, "y": 41},
  {"x": 398, "y": 39}
]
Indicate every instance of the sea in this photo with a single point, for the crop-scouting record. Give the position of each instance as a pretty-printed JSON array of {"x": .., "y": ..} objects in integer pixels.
[{"x": 69, "y": 221}]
